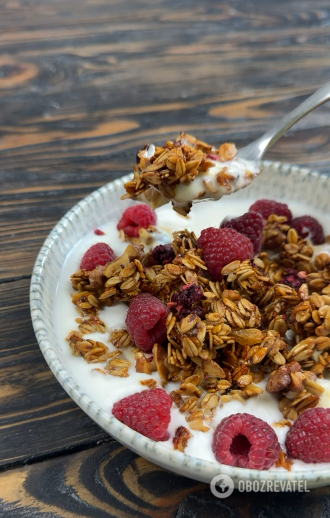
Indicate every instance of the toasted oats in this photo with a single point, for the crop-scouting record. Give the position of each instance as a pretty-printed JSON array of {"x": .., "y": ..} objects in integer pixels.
[
  {"x": 120, "y": 338},
  {"x": 118, "y": 367},
  {"x": 283, "y": 423},
  {"x": 93, "y": 351},
  {"x": 92, "y": 324},
  {"x": 101, "y": 371},
  {"x": 150, "y": 383},
  {"x": 197, "y": 424}
]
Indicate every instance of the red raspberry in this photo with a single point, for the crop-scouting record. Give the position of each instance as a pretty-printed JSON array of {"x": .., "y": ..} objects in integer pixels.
[
  {"x": 268, "y": 207},
  {"x": 309, "y": 437},
  {"x": 222, "y": 246},
  {"x": 145, "y": 321},
  {"x": 308, "y": 227},
  {"x": 98, "y": 254},
  {"x": 136, "y": 217},
  {"x": 251, "y": 225},
  {"x": 244, "y": 441},
  {"x": 147, "y": 412}
]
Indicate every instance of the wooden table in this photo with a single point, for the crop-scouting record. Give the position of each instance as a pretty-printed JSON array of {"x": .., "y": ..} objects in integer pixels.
[{"x": 83, "y": 84}]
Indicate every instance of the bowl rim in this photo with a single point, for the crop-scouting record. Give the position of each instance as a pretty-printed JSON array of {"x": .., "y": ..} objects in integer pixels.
[{"x": 173, "y": 460}]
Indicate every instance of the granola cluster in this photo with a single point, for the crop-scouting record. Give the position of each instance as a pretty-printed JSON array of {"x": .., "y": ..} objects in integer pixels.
[
  {"x": 223, "y": 337},
  {"x": 156, "y": 174}
]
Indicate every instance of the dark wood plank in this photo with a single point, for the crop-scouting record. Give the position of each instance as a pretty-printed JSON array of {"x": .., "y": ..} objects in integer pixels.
[
  {"x": 37, "y": 417},
  {"x": 111, "y": 481}
]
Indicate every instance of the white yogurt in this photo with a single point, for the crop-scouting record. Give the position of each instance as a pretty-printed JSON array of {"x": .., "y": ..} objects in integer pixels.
[
  {"x": 222, "y": 179},
  {"x": 106, "y": 390}
]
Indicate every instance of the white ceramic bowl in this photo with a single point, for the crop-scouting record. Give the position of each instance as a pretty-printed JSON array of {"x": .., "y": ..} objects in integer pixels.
[{"x": 276, "y": 181}]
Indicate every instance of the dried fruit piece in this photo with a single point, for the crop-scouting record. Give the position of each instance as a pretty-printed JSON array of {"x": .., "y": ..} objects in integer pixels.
[
  {"x": 244, "y": 441},
  {"x": 163, "y": 254},
  {"x": 186, "y": 301},
  {"x": 294, "y": 278}
]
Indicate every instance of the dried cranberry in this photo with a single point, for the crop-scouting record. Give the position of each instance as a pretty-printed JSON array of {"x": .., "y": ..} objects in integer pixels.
[
  {"x": 189, "y": 295},
  {"x": 99, "y": 232},
  {"x": 184, "y": 312},
  {"x": 187, "y": 301},
  {"x": 163, "y": 254},
  {"x": 294, "y": 278}
]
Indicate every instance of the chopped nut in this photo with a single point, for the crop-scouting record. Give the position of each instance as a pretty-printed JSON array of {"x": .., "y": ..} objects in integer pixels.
[
  {"x": 181, "y": 438},
  {"x": 159, "y": 354},
  {"x": 284, "y": 461},
  {"x": 144, "y": 364}
]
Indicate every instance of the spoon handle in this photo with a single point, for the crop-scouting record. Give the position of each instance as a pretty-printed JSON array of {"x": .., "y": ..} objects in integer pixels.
[{"x": 257, "y": 149}]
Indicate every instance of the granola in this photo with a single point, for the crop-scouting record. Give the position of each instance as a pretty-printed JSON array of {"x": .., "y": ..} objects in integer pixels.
[
  {"x": 233, "y": 333},
  {"x": 187, "y": 170}
]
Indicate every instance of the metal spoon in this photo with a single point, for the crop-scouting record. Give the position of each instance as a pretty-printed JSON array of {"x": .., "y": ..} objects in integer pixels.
[{"x": 258, "y": 148}]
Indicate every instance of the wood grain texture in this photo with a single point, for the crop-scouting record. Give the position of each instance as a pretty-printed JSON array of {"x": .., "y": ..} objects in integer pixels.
[
  {"x": 37, "y": 417},
  {"x": 111, "y": 481},
  {"x": 83, "y": 86}
]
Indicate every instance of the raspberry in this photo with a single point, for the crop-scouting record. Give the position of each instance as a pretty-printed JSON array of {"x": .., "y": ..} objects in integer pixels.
[
  {"x": 147, "y": 412},
  {"x": 308, "y": 227},
  {"x": 222, "y": 246},
  {"x": 145, "y": 321},
  {"x": 245, "y": 441},
  {"x": 136, "y": 217},
  {"x": 163, "y": 254},
  {"x": 250, "y": 225},
  {"x": 309, "y": 437},
  {"x": 98, "y": 254},
  {"x": 268, "y": 207}
]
